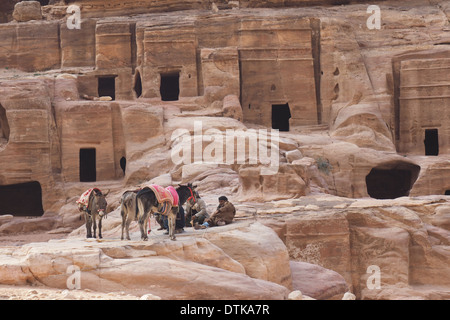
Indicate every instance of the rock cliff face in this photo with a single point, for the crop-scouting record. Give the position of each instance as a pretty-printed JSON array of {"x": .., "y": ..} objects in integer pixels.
[
  {"x": 299, "y": 111},
  {"x": 400, "y": 237}
]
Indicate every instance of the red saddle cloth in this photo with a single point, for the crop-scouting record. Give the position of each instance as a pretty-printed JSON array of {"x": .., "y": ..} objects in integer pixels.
[
  {"x": 165, "y": 196},
  {"x": 174, "y": 194},
  {"x": 162, "y": 194}
]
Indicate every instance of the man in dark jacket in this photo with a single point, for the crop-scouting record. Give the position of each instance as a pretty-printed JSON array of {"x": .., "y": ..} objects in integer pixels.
[{"x": 223, "y": 215}]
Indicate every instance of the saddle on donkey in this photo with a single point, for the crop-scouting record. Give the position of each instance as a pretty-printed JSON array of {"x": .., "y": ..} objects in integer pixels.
[
  {"x": 83, "y": 201},
  {"x": 167, "y": 198}
]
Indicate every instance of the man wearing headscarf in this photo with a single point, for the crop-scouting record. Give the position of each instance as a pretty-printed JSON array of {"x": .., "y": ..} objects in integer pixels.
[{"x": 223, "y": 215}]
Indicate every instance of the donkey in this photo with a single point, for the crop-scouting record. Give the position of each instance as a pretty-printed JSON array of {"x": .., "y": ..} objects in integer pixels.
[
  {"x": 128, "y": 211},
  {"x": 146, "y": 202},
  {"x": 95, "y": 210}
]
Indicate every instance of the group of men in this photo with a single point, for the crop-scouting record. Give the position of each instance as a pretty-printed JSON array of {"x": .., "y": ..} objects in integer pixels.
[{"x": 197, "y": 215}]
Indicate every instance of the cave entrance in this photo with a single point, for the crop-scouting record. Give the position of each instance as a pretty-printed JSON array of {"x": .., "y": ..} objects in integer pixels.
[
  {"x": 391, "y": 181},
  {"x": 23, "y": 199},
  {"x": 431, "y": 142},
  {"x": 123, "y": 164},
  {"x": 107, "y": 87},
  {"x": 44, "y": 2},
  {"x": 4, "y": 127},
  {"x": 88, "y": 169},
  {"x": 447, "y": 192},
  {"x": 138, "y": 84},
  {"x": 170, "y": 86},
  {"x": 281, "y": 113}
]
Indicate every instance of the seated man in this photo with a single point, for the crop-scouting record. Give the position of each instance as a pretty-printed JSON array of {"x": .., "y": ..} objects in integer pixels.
[
  {"x": 223, "y": 215},
  {"x": 199, "y": 213}
]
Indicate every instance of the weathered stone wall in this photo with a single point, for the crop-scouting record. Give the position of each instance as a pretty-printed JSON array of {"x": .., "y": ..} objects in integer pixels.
[
  {"x": 323, "y": 61},
  {"x": 424, "y": 94},
  {"x": 30, "y": 46},
  {"x": 29, "y": 152}
]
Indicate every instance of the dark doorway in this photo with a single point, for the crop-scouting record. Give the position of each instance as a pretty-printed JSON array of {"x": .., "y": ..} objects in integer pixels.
[
  {"x": 280, "y": 116},
  {"x": 138, "y": 84},
  {"x": 107, "y": 87},
  {"x": 23, "y": 199},
  {"x": 123, "y": 164},
  {"x": 4, "y": 126},
  {"x": 44, "y": 2},
  {"x": 389, "y": 183},
  {"x": 431, "y": 142},
  {"x": 447, "y": 192},
  {"x": 88, "y": 169},
  {"x": 170, "y": 86}
]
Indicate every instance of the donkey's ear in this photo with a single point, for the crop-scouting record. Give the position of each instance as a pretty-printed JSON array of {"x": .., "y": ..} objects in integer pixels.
[{"x": 107, "y": 192}]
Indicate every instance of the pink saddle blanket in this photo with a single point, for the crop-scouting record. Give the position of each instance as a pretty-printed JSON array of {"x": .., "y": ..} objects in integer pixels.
[{"x": 168, "y": 194}]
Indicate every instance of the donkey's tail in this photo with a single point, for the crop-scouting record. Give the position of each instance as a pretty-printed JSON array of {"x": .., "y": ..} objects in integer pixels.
[
  {"x": 139, "y": 206},
  {"x": 136, "y": 207}
]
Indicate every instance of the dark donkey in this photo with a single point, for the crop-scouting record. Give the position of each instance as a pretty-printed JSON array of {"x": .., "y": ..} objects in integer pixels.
[
  {"x": 95, "y": 210},
  {"x": 128, "y": 211},
  {"x": 146, "y": 202}
]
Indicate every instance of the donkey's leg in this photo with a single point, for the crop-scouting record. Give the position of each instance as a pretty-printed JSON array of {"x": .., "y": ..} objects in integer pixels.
[
  {"x": 100, "y": 227},
  {"x": 88, "y": 225},
  {"x": 146, "y": 225},
  {"x": 124, "y": 221},
  {"x": 172, "y": 220},
  {"x": 142, "y": 224},
  {"x": 94, "y": 224},
  {"x": 141, "y": 215},
  {"x": 127, "y": 226}
]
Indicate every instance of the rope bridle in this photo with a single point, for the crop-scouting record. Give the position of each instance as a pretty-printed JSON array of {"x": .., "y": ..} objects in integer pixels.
[{"x": 192, "y": 195}]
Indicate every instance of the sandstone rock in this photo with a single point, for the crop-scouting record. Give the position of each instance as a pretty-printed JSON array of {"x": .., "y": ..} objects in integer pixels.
[
  {"x": 21, "y": 225},
  {"x": 362, "y": 127},
  {"x": 27, "y": 10},
  {"x": 317, "y": 282},
  {"x": 312, "y": 238},
  {"x": 5, "y": 218},
  {"x": 150, "y": 296},
  {"x": 349, "y": 296},
  {"x": 295, "y": 295},
  {"x": 190, "y": 172},
  {"x": 286, "y": 183},
  {"x": 246, "y": 246},
  {"x": 293, "y": 155},
  {"x": 232, "y": 107},
  {"x": 241, "y": 268}
]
